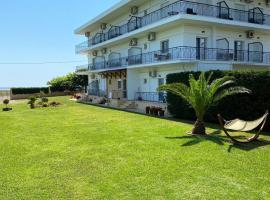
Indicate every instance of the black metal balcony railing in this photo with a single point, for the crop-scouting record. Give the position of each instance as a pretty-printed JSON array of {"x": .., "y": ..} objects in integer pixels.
[
  {"x": 254, "y": 15},
  {"x": 151, "y": 96},
  {"x": 185, "y": 54},
  {"x": 96, "y": 92},
  {"x": 82, "y": 68}
]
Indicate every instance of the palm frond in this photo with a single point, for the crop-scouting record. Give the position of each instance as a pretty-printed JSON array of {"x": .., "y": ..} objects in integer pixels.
[
  {"x": 200, "y": 94},
  {"x": 179, "y": 89},
  {"x": 229, "y": 92}
]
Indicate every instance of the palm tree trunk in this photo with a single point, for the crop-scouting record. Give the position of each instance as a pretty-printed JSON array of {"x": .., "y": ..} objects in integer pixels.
[{"x": 199, "y": 128}]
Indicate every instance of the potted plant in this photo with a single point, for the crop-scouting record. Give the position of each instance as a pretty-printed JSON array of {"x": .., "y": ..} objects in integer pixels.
[
  {"x": 44, "y": 101},
  {"x": 6, "y": 102},
  {"x": 161, "y": 112},
  {"x": 152, "y": 110},
  {"x": 32, "y": 101},
  {"x": 156, "y": 110},
  {"x": 147, "y": 110}
]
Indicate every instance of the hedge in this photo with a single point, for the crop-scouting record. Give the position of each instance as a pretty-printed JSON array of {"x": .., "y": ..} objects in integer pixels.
[
  {"x": 57, "y": 89},
  {"x": 244, "y": 106},
  {"x": 32, "y": 90}
]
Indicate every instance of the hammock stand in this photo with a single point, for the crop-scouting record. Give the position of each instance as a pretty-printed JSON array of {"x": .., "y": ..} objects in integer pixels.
[{"x": 244, "y": 126}]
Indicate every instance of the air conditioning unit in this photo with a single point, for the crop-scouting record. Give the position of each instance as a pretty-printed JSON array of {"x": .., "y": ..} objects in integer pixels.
[
  {"x": 153, "y": 74},
  {"x": 104, "y": 50},
  {"x": 250, "y": 34},
  {"x": 134, "y": 10},
  {"x": 95, "y": 53},
  {"x": 133, "y": 42},
  {"x": 152, "y": 36},
  {"x": 103, "y": 26}
]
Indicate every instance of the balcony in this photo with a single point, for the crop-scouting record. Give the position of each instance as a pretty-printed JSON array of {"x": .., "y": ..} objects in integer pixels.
[
  {"x": 221, "y": 11},
  {"x": 151, "y": 96},
  {"x": 82, "y": 68},
  {"x": 185, "y": 54}
]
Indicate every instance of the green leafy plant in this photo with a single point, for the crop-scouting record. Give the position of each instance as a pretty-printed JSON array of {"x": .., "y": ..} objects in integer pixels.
[
  {"x": 32, "y": 101},
  {"x": 54, "y": 103},
  {"x": 201, "y": 94},
  {"x": 44, "y": 100},
  {"x": 6, "y": 102}
]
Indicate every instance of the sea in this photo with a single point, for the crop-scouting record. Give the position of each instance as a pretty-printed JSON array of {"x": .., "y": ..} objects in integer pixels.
[{"x": 4, "y": 88}]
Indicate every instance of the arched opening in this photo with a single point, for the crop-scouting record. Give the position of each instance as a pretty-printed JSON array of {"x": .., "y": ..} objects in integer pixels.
[
  {"x": 223, "y": 52},
  {"x": 114, "y": 32},
  {"x": 255, "y": 52},
  {"x": 256, "y": 16},
  {"x": 114, "y": 59},
  {"x": 135, "y": 56},
  {"x": 93, "y": 88},
  {"x": 99, "y": 62},
  {"x": 134, "y": 23},
  {"x": 223, "y": 10},
  {"x": 98, "y": 38}
]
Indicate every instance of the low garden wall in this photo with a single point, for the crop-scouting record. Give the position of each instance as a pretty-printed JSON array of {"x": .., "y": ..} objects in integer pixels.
[
  {"x": 25, "y": 93},
  {"x": 244, "y": 106}
]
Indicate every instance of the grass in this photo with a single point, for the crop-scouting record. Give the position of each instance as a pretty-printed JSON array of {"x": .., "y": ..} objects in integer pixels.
[{"x": 78, "y": 151}]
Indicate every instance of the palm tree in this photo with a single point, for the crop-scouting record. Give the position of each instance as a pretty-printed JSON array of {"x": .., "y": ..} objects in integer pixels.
[{"x": 201, "y": 94}]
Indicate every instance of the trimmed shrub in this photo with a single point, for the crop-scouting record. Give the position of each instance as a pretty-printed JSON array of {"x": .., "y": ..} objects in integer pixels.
[
  {"x": 244, "y": 106},
  {"x": 33, "y": 90}
]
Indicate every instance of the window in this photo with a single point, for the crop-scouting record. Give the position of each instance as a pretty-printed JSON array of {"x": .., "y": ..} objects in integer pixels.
[
  {"x": 110, "y": 82},
  {"x": 223, "y": 52},
  {"x": 255, "y": 52},
  {"x": 165, "y": 46},
  {"x": 239, "y": 53},
  {"x": 201, "y": 45},
  {"x": 119, "y": 84}
]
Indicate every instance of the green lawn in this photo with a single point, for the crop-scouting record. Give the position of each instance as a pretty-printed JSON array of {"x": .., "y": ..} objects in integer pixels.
[{"x": 78, "y": 151}]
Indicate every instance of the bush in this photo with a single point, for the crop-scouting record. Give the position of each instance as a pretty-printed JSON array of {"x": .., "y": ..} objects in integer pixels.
[
  {"x": 33, "y": 90},
  {"x": 44, "y": 100},
  {"x": 45, "y": 105},
  {"x": 54, "y": 103},
  {"x": 247, "y": 107},
  {"x": 6, "y": 101},
  {"x": 32, "y": 101}
]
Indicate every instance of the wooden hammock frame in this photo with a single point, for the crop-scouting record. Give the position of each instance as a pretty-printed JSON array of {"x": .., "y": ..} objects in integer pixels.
[{"x": 251, "y": 139}]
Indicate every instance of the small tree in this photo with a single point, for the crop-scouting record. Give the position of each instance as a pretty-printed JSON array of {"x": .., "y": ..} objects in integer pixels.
[
  {"x": 44, "y": 100},
  {"x": 32, "y": 101},
  {"x": 201, "y": 94},
  {"x": 6, "y": 102}
]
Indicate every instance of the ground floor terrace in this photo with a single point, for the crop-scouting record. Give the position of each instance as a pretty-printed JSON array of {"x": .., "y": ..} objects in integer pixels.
[
  {"x": 136, "y": 87},
  {"x": 97, "y": 153}
]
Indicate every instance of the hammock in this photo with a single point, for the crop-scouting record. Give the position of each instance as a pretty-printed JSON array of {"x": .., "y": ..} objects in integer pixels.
[{"x": 243, "y": 126}]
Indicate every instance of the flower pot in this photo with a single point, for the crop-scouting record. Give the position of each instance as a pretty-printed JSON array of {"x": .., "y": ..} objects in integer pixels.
[
  {"x": 152, "y": 110},
  {"x": 147, "y": 110},
  {"x": 156, "y": 110},
  {"x": 161, "y": 113}
]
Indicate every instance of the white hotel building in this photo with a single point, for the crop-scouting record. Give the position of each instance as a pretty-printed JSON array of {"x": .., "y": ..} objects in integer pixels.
[{"x": 133, "y": 46}]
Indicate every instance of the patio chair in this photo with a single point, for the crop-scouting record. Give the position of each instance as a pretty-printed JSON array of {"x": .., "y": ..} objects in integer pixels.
[{"x": 243, "y": 126}]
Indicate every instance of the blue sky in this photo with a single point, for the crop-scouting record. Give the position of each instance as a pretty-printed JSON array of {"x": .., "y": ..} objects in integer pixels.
[{"x": 42, "y": 31}]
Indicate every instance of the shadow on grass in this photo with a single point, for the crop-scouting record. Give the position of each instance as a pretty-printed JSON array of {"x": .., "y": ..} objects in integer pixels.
[{"x": 219, "y": 139}]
